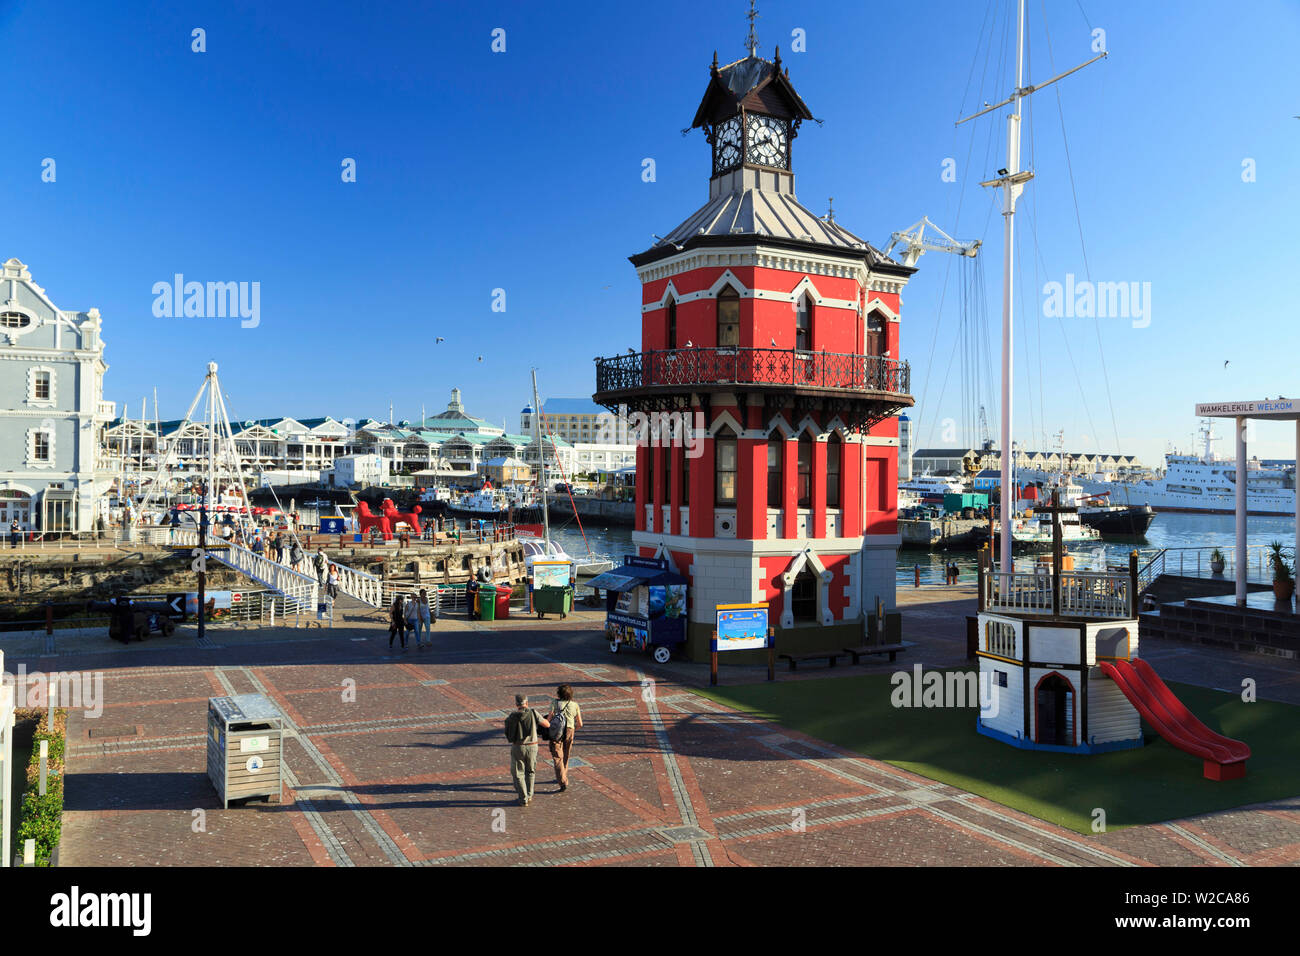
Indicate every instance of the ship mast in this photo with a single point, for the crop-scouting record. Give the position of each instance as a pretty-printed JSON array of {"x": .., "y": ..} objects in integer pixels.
[
  {"x": 541, "y": 454},
  {"x": 1011, "y": 181}
]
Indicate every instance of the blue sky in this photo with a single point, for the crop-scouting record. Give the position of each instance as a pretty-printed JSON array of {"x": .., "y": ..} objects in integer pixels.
[{"x": 522, "y": 170}]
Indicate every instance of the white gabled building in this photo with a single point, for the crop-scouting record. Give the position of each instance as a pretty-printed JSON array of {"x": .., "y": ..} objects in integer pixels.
[{"x": 52, "y": 412}]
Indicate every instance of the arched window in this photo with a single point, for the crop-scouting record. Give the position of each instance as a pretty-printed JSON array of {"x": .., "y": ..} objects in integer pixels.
[
  {"x": 776, "y": 469},
  {"x": 724, "y": 467},
  {"x": 803, "y": 319},
  {"x": 834, "y": 449},
  {"x": 805, "y": 471},
  {"x": 672, "y": 324},
  {"x": 728, "y": 318},
  {"x": 686, "y": 476},
  {"x": 875, "y": 343}
]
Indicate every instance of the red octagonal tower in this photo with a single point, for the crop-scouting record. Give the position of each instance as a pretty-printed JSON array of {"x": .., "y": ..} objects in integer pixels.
[{"x": 772, "y": 335}]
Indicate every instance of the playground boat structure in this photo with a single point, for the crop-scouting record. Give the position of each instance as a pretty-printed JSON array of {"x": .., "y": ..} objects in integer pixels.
[{"x": 1058, "y": 648}]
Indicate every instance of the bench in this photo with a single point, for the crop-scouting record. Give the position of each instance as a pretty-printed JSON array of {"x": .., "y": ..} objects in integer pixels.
[
  {"x": 865, "y": 649},
  {"x": 794, "y": 659}
]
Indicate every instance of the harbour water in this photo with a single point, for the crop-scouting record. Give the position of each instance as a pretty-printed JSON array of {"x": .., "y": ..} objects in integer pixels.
[{"x": 1189, "y": 536}]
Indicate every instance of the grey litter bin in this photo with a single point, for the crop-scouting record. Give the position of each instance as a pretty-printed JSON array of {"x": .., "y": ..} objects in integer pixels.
[{"x": 245, "y": 735}]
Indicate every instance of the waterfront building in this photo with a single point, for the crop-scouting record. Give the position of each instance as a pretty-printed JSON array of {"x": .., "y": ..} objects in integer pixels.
[
  {"x": 52, "y": 410},
  {"x": 352, "y": 470},
  {"x": 904, "y": 448},
  {"x": 776, "y": 333},
  {"x": 579, "y": 421}
]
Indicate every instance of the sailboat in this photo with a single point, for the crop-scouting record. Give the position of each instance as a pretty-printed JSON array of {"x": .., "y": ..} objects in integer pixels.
[{"x": 544, "y": 549}]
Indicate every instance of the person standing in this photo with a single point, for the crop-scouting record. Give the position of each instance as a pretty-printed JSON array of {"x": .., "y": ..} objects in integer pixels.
[
  {"x": 412, "y": 615},
  {"x": 521, "y": 731},
  {"x": 566, "y": 709},
  {"x": 322, "y": 571},
  {"x": 425, "y": 620},
  {"x": 15, "y": 532},
  {"x": 396, "y": 622},
  {"x": 277, "y": 548}
]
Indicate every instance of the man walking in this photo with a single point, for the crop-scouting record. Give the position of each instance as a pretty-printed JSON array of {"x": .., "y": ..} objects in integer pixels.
[
  {"x": 322, "y": 566},
  {"x": 521, "y": 731}
]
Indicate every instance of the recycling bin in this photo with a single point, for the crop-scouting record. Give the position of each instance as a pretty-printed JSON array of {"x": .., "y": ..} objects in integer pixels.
[
  {"x": 503, "y": 602},
  {"x": 553, "y": 599},
  {"x": 245, "y": 739},
  {"x": 487, "y": 602}
]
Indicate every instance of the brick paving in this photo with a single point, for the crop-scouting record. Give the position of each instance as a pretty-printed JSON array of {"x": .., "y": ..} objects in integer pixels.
[{"x": 414, "y": 770}]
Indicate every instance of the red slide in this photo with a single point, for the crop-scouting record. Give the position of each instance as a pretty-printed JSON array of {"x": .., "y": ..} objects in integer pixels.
[{"x": 1224, "y": 758}]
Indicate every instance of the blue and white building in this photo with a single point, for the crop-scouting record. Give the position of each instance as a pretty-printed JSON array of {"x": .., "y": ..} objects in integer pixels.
[{"x": 52, "y": 412}]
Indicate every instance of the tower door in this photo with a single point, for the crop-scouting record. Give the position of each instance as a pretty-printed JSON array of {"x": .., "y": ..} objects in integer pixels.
[{"x": 1054, "y": 711}]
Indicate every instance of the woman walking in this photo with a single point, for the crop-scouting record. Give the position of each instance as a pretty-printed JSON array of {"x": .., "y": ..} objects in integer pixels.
[
  {"x": 425, "y": 621},
  {"x": 566, "y": 709},
  {"x": 412, "y": 614},
  {"x": 396, "y": 622}
]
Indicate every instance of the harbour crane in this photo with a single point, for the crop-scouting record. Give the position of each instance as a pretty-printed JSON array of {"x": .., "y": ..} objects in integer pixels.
[{"x": 915, "y": 242}]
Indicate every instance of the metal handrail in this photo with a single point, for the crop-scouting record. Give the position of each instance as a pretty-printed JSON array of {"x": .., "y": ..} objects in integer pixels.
[{"x": 752, "y": 366}]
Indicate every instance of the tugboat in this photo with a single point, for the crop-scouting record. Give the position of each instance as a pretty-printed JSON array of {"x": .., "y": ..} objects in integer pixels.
[{"x": 1115, "y": 521}]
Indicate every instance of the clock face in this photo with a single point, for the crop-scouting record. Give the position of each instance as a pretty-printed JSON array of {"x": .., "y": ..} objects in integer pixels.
[
  {"x": 726, "y": 145},
  {"x": 768, "y": 141}
]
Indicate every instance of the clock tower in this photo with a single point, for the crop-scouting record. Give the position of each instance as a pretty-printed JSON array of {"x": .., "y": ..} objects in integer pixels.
[{"x": 769, "y": 376}]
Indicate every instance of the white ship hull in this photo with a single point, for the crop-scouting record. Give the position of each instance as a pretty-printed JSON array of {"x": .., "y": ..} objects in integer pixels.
[{"x": 1154, "y": 493}]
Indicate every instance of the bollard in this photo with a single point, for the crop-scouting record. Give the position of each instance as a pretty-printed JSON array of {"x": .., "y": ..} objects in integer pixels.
[
  {"x": 29, "y": 853},
  {"x": 45, "y": 759},
  {"x": 49, "y": 717},
  {"x": 916, "y": 576}
]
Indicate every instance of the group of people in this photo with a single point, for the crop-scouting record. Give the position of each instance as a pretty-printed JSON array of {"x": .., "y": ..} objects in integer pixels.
[
  {"x": 524, "y": 728},
  {"x": 411, "y": 612}
]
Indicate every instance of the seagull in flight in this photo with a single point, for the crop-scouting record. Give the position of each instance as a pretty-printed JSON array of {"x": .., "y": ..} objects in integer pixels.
[
  {"x": 1225, "y": 364},
  {"x": 480, "y": 358},
  {"x": 438, "y": 339}
]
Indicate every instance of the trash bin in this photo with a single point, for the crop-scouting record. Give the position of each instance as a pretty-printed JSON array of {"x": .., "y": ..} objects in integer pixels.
[
  {"x": 503, "y": 602},
  {"x": 555, "y": 599},
  {"x": 244, "y": 747},
  {"x": 487, "y": 602}
]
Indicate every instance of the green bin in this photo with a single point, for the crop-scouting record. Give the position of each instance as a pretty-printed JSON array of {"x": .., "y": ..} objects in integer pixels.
[
  {"x": 487, "y": 602},
  {"x": 553, "y": 600}
]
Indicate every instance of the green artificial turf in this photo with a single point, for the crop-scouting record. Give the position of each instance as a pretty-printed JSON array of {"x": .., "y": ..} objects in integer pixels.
[{"x": 1147, "y": 784}]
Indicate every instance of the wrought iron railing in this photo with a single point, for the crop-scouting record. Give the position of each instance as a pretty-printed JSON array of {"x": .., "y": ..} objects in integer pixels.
[{"x": 751, "y": 366}]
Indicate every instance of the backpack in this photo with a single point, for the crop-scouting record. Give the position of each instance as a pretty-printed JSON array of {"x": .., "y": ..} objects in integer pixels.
[{"x": 556, "y": 730}]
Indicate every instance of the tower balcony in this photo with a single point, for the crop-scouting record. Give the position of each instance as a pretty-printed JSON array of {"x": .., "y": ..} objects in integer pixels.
[{"x": 864, "y": 388}]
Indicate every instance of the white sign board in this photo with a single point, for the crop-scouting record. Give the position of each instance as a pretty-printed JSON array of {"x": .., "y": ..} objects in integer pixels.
[
  {"x": 254, "y": 744},
  {"x": 1261, "y": 408}
]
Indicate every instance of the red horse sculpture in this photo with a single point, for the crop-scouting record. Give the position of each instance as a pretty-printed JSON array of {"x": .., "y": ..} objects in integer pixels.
[
  {"x": 366, "y": 520},
  {"x": 394, "y": 516}
]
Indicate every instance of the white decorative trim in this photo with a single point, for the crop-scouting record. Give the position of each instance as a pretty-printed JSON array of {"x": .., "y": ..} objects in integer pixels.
[
  {"x": 878, "y": 305},
  {"x": 31, "y": 387},
  {"x": 32, "y": 461},
  {"x": 778, "y": 423},
  {"x": 797, "y": 563},
  {"x": 851, "y": 266},
  {"x": 725, "y": 418}
]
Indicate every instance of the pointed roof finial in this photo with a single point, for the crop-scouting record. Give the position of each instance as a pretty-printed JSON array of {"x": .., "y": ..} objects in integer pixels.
[
  {"x": 752, "y": 40},
  {"x": 830, "y": 209},
  {"x": 715, "y": 59},
  {"x": 776, "y": 59}
]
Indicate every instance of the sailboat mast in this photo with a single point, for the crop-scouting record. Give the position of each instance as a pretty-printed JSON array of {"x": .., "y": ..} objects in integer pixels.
[
  {"x": 1010, "y": 191},
  {"x": 541, "y": 454}
]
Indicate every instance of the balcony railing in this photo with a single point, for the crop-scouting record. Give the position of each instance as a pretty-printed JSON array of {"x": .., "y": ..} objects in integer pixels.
[{"x": 750, "y": 366}]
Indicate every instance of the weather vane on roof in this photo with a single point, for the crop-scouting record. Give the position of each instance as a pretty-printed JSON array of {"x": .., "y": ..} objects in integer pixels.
[{"x": 752, "y": 40}]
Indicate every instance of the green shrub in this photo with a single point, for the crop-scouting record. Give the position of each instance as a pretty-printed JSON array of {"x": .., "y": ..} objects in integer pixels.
[{"x": 41, "y": 817}]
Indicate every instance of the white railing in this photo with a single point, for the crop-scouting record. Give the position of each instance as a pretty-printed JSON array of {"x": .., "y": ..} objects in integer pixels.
[
  {"x": 302, "y": 588},
  {"x": 1083, "y": 593},
  {"x": 1094, "y": 594},
  {"x": 1018, "y": 591},
  {"x": 366, "y": 588}
]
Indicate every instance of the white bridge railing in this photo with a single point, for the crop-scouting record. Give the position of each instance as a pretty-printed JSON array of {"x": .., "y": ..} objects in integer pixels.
[{"x": 1103, "y": 594}]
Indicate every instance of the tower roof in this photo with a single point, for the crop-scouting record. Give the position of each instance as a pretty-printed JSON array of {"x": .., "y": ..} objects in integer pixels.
[{"x": 753, "y": 83}]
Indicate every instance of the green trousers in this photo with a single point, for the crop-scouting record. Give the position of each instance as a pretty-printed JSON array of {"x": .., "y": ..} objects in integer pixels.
[{"x": 523, "y": 768}]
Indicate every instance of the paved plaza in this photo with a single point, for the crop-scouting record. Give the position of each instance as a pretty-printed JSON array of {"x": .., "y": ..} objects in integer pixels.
[{"x": 414, "y": 771}]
